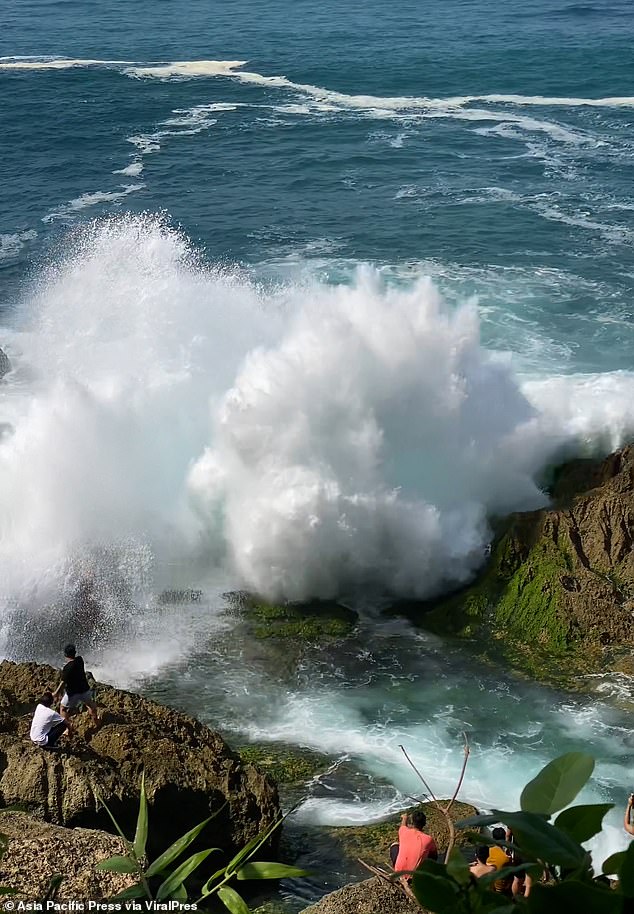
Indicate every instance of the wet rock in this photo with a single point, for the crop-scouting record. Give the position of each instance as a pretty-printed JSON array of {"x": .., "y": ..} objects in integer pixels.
[
  {"x": 560, "y": 578},
  {"x": 190, "y": 772},
  {"x": 38, "y": 851}
]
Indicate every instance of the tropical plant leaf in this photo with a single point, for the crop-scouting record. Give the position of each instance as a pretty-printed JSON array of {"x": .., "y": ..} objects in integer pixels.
[
  {"x": 134, "y": 891},
  {"x": 180, "y": 874},
  {"x": 613, "y": 864},
  {"x": 626, "y": 872},
  {"x": 270, "y": 871},
  {"x": 232, "y": 901},
  {"x": 436, "y": 892},
  {"x": 118, "y": 865},
  {"x": 458, "y": 868},
  {"x": 537, "y": 839},
  {"x": 209, "y": 886},
  {"x": 583, "y": 822},
  {"x": 53, "y": 887},
  {"x": 180, "y": 894},
  {"x": 140, "y": 836},
  {"x": 175, "y": 850},
  {"x": 100, "y": 799},
  {"x": 251, "y": 847},
  {"x": 575, "y": 896},
  {"x": 557, "y": 784}
]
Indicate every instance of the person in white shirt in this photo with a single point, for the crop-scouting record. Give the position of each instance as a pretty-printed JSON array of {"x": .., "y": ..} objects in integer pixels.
[{"x": 47, "y": 725}]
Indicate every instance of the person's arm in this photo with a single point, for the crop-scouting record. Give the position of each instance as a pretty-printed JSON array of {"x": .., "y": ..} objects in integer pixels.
[
  {"x": 627, "y": 825},
  {"x": 404, "y": 819},
  {"x": 527, "y": 885}
]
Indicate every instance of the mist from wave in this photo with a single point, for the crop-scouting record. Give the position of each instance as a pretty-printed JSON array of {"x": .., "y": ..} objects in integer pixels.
[{"x": 311, "y": 439}]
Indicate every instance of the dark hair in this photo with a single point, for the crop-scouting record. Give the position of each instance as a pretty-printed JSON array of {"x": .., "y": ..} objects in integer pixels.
[
  {"x": 46, "y": 699},
  {"x": 418, "y": 819},
  {"x": 482, "y": 853},
  {"x": 499, "y": 834},
  {"x": 70, "y": 651}
]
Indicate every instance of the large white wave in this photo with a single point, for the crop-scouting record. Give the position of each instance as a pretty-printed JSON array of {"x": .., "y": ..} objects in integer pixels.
[{"x": 312, "y": 439}]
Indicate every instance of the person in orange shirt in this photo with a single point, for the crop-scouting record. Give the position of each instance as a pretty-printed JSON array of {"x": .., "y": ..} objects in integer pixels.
[
  {"x": 414, "y": 845},
  {"x": 499, "y": 859}
]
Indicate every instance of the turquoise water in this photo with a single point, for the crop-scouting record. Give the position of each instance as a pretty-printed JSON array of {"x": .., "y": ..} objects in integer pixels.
[{"x": 296, "y": 297}]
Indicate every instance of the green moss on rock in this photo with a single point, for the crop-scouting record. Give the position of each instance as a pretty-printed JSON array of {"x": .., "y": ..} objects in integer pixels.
[
  {"x": 287, "y": 765},
  {"x": 305, "y": 622}
]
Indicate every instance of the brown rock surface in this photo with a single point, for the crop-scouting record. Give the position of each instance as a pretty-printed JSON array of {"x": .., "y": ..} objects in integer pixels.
[
  {"x": 37, "y": 851},
  {"x": 190, "y": 772},
  {"x": 372, "y": 896}
]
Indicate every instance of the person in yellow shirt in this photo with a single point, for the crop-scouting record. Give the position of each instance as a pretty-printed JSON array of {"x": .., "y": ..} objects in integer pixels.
[{"x": 499, "y": 858}]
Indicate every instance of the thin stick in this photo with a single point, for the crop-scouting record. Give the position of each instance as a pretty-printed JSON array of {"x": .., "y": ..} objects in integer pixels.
[
  {"x": 467, "y": 751},
  {"x": 422, "y": 779}
]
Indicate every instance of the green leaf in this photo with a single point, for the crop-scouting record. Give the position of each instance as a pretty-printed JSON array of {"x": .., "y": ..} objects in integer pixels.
[
  {"x": 573, "y": 896},
  {"x": 537, "y": 839},
  {"x": 134, "y": 891},
  {"x": 252, "y": 846},
  {"x": 583, "y": 822},
  {"x": 100, "y": 799},
  {"x": 270, "y": 871},
  {"x": 118, "y": 865},
  {"x": 53, "y": 887},
  {"x": 209, "y": 886},
  {"x": 180, "y": 874},
  {"x": 140, "y": 837},
  {"x": 175, "y": 850},
  {"x": 505, "y": 872},
  {"x": 180, "y": 894},
  {"x": 458, "y": 868},
  {"x": 232, "y": 901},
  {"x": 7, "y": 890},
  {"x": 626, "y": 872},
  {"x": 557, "y": 784},
  {"x": 436, "y": 892},
  {"x": 613, "y": 864}
]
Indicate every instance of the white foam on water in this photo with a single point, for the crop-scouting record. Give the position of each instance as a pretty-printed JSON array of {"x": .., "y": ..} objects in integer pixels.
[
  {"x": 133, "y": 170},
  {"x": 54, "y": 63},
  {"x": 91, "y": 199},
  {"x": 189, "y": 403},
  {"x": 12, "y": 243},
  {"x": 185, "y": 69}
]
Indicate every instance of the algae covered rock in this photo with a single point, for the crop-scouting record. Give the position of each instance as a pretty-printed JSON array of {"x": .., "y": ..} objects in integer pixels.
[
  {"x": 37, "y": 851},
  {"x": 560, "y": 578},
  {"x": 190, "y": 772},
  {"x": 319, "y": 621}
]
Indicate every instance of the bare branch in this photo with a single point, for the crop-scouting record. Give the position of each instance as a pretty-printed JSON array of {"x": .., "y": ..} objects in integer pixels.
[
  {"x": 467, "y": 751},
  {"x": 420, "y": 777}
]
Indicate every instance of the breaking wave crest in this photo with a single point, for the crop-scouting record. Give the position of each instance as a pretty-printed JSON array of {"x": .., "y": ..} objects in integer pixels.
[{"x": 311, "y": 440}]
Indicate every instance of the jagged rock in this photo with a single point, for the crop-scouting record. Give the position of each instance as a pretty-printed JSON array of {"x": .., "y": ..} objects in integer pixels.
[
  {"x": 5, "y": 364},
  {"x": 560, "y": 577},
  {"x": 37, "y": 851},
  {"x": 372, "y": 896},
  {"x": 190, "y": 772}
]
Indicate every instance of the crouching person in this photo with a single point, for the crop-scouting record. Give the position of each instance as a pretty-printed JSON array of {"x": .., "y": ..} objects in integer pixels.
[{"x": 47, "y": 725}]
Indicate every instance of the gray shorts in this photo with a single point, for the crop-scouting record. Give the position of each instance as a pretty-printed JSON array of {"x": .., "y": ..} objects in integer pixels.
[{"x": 70, "y": 702}]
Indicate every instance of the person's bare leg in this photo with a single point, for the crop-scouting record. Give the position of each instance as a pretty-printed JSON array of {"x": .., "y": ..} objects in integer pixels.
[{"x": 92, "y": 707}]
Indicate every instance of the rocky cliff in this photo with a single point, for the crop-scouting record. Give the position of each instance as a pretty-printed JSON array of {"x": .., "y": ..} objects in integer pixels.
[
  {"x": 190, "y": 772},
  {"x": 563, "y": 577}
]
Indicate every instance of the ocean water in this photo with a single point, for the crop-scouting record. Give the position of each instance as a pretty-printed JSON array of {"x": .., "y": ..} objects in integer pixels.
[{"x": 296, "y": 297}]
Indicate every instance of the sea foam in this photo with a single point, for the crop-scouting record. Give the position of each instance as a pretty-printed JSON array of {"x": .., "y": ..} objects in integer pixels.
[{"x": 312, "y": 440}]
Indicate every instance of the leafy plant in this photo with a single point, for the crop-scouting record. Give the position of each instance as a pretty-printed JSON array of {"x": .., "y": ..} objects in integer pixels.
[
  {"x": 164, "y": 879},
  {"x": 551, "y": 852}
]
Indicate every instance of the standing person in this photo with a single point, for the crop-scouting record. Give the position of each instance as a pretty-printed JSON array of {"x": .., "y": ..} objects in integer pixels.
[
  {"x": 47, "y": 725},
  {"x": 627, "y": 821},
  {"x": 414, "y": 845},
  {"x": 75, "y": 686}
]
